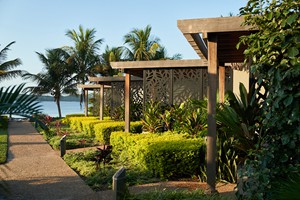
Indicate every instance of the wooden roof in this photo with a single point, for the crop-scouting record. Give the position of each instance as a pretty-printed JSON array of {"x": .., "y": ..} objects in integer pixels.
[
  {"x": 227, "y": 29},
  {"x": 107, "y": 80},
  {"x": 136, "y": 67},
  {"x": 91, "y": 86}
]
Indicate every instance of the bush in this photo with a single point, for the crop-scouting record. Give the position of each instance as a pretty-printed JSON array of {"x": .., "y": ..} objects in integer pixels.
[
  {"x": 75, "y": 122},
  {"x": 88, "y": 126},
  {"x": 66, "y": 119},
  {"x": 158, "y": 153},
  {"x": 103, "y": 130},
  {"x": 178, "y": 158}
]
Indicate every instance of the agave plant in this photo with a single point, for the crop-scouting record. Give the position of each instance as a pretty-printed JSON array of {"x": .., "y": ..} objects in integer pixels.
[{"x": 13, "y": 102}]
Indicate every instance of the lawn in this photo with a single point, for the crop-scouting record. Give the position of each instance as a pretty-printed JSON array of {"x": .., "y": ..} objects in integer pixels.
[{"x": 3, "y": 145}]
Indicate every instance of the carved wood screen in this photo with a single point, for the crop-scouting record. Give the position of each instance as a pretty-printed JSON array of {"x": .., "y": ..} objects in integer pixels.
[
  {"x": 118, "y": 94},
  {"x": 174, "y": 86}
]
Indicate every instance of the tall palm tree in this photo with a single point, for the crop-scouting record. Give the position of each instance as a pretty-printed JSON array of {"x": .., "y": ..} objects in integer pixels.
[
  {"x": 111, "y": 55},
  {"x": 84, "y": 53},
  {"x": 6, "y": 67},
  {"x": 56, "y": 78},
  {"x": 142, "y": 45}
]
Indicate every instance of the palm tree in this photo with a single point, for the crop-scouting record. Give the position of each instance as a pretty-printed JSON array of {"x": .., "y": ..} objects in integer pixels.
[
  {"x": 161, "y": 54},
  {"x": 84, "y": 53},
  {"x": 57, "y": 78},
  {"x": 111, "y": 55},
  {"x": 6, "y": 67},
  {"x": 142, "y": 46},
  {"x": 13, "y": 102}
]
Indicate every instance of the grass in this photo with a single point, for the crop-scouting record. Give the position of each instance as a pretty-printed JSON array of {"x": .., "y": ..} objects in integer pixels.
[
  {"x": 100, "y": 177},
  {"x": 3, "y": 145},
  {"x": 175, "y": 195}
]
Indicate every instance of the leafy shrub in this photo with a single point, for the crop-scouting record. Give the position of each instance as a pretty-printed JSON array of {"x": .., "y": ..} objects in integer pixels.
[
  {"x": 4, "y": 122},
  {"x": 88, "y": 125},
  {"x": 188, "y": 117},
  {"x": 67, "y": 117},
  {"x": 75, "y": 122},
  {"x": 274, "y": 52},
  {"x": 158, "y": 153},
  {"x": 177, "y": 158},
  {"x": 103, "y": 130}
]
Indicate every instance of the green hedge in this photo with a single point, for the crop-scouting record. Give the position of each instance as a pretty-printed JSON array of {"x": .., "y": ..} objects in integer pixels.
[
  {"x": 103, "y": 130},
  {"x": 76, "y": 122},
  {"x": 67, "y": 117},
  {"x": 167, "y": 155},
  {"x": 88, "y": 125}
]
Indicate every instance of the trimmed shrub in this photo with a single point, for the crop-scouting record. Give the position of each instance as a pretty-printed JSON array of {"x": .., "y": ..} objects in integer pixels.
[
  {"x": 88, "y": 126},
  {"x": 177, "y": 158},
  {"x": 66, "y": 119},
  {"x": 103, "y": 130},
  {"x": 167, "y": 155},
  {"x": 75, "y": 122}
]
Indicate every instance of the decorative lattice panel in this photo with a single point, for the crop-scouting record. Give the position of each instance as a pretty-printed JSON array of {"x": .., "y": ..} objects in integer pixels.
[
  {"x": 157, "y": 85},
  {"x": 187, "y": 84},
  {"x": 136, "y": 92}
]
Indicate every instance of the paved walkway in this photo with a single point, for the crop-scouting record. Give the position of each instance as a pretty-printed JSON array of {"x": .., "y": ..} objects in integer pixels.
[{"x": 35, "y": 171}]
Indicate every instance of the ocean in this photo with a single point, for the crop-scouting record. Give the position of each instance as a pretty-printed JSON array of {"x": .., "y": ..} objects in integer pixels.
[{"x": 67, "y": 107}]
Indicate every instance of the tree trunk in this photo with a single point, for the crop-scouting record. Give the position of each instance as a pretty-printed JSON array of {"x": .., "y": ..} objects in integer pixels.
[{"x": 58, "y": 107}]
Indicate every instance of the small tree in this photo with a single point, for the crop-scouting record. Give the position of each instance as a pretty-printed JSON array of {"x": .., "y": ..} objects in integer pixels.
[{"x": 274, "y": 51}]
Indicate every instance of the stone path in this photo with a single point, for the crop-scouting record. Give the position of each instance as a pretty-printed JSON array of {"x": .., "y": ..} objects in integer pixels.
[{"x": 35, "y": 171}]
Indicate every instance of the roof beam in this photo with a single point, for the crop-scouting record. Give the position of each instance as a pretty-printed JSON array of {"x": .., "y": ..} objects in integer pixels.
[{"x": 158, "y": 64}]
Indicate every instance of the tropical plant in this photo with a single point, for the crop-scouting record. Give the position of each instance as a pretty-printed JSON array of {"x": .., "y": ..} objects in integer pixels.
[
  {"x": 111, "y": 55},
  {"x": 151, "y": 120},
  {"x": 86, "y": 61},
  {"x": 274, "y": 51},
  {"x": 239, "y": 118},
  {"x": 84, "y": 55},
  {"x": 142, "y": 45},
  {"x": 6, "y": 67},
  {"x": 13, "y": 102},
  {"x": 57, "y": 76}
]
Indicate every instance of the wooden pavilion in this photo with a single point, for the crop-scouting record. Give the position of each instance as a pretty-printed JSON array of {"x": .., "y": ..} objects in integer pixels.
[{"x": 214, "y": 40}]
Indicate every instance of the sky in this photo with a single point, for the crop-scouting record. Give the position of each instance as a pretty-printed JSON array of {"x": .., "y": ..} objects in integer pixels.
[{"x": 37, "y": 25}]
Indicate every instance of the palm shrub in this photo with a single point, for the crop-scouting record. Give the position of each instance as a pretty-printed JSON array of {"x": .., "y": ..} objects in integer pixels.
[{"x": 13, "y": 102}]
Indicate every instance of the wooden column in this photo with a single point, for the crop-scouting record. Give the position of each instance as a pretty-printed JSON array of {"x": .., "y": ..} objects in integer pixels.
[
  {"x": 211, "y": 106},
  {"x": 222, "y": 83},
  {"x": 86, "y": 102},
  {"x": 101, "y": 99},
  {"x": 127, "y": 100}
]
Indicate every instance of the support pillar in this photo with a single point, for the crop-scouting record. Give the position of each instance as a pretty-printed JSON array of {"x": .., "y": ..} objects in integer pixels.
[
  {"x": 86, "y": 102},
  {"x": 211, "y": 107},
  {"x": 127, "y": 100},
  {"x": 101, "y": 100}
]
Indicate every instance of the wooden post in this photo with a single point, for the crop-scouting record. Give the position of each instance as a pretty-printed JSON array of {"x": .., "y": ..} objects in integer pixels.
[
  {"x": 127, "y": 101},
  {"x": 101, "y": 99},
  {"x": 221, "y": 83},
  {"x": 86, "y": 102},
  {"x": 211, "y": 106}
]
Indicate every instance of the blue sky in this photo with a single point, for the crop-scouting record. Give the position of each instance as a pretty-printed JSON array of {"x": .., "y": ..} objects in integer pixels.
[{"x": 37, "y": 25}]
